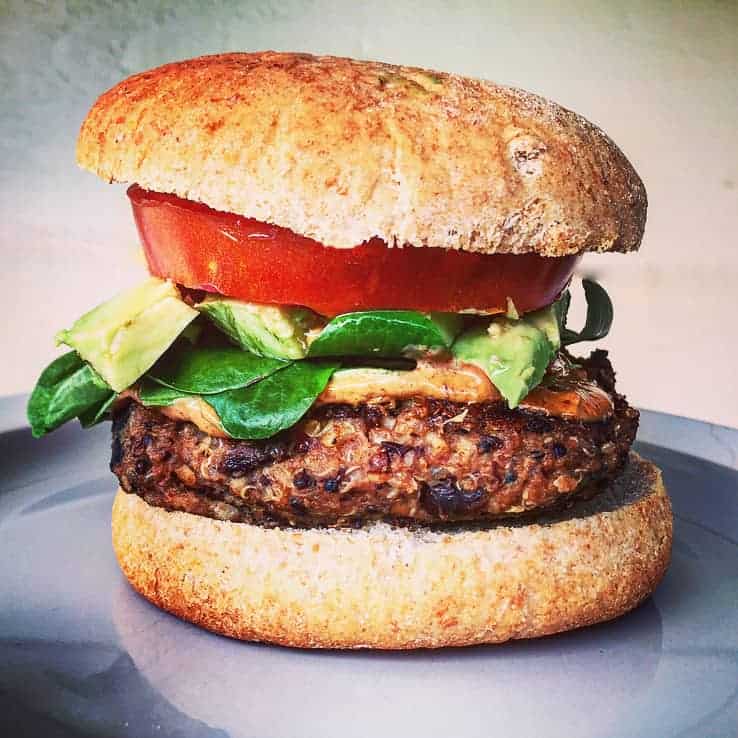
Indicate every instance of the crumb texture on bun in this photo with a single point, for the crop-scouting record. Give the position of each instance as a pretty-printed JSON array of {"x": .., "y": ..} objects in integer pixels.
[
  {"x": 396, "y": 588},
  {"x": 342, "y": 151}
]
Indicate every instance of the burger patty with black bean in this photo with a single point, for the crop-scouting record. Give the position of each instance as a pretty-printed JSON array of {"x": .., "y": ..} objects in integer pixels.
[{"x": 416, "y": 460}]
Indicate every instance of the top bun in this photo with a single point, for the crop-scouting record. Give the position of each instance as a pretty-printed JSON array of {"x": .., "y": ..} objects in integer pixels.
[{"x": 343, "y": 151}]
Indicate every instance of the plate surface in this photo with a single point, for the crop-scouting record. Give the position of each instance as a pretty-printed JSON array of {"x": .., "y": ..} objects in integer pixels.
[{"x": 82, "y": 654}]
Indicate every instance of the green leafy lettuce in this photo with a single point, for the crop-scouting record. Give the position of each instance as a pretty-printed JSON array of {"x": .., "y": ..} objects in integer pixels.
[
  {"x": 153, "y": 394},
  {"x": 256, "y": 396},
  {"x": 385, "y": 333},
  {"x": 277, "y": 402},
  {"x": 68, "y": 388},
  {"x": 208, "y": 370},
  {"x": 257, "y": 410},
  {"x": 599, "y": 314}
]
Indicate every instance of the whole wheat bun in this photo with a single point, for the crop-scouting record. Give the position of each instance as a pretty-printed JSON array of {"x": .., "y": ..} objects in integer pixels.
[
  {"x": 343, "y": 150},
  {"x": 396, "y": 588}
]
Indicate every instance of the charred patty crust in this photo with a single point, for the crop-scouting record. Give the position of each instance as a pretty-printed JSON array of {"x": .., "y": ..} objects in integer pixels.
[{"x": 415, "y": 461}]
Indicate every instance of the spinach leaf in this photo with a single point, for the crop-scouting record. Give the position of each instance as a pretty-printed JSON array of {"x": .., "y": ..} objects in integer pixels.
[
  {"x": 206, "y": 371},
  {"x": 68, "y": 388},
  {"x": 599, "y": 315},
  {"x": 151, "y": 393},
  {"x": 96, "y": 414},
  {"x": 274, "y": 403},
  {"x": 385, "y": 333}
]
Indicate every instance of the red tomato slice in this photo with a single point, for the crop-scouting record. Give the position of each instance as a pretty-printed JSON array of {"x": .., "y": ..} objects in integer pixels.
[{"x": 206, "y": 249}]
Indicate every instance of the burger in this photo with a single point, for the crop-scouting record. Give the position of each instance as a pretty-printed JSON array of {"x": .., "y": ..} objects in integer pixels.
[{"x": 345, "y": 412}]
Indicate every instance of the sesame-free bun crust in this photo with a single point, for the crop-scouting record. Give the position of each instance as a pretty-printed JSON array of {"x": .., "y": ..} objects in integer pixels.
[
  {"x": 343, "y": 150},
  {"x": 396, "y": 588}
]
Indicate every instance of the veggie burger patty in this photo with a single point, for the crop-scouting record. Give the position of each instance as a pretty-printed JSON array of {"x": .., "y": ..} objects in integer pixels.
[{"x": 416, "y": 460}]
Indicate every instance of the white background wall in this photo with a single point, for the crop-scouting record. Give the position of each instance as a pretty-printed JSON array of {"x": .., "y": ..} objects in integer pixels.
[{"x": 660, "y": 77}]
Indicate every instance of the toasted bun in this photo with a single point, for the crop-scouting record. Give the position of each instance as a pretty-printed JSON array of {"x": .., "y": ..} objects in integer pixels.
[
  {"x": 391, "y": 587},
  {"x": 342, "y": 151}
]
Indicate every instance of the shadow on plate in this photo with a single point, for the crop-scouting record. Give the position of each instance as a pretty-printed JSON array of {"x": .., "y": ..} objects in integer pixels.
[{"x": 59, "y": 690}]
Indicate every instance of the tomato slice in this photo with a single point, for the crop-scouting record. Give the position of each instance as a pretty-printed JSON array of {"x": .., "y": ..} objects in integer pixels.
[{"x": 239, "y": 257}]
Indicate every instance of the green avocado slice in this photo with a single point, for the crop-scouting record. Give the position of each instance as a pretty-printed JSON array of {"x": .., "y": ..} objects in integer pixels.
[
  {"x": 513, "y": 353},
  {"x": 274, "y": 331},
  {"x": 122, "y": 338}
]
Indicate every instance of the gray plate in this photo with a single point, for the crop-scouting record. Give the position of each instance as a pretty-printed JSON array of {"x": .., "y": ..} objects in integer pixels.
[{"x": 81, "y": 654}]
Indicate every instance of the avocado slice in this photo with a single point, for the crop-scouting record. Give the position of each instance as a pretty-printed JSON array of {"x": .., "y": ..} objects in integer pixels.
[
  {"x": 274, "y": 331},
  {"x": 122, "y": 338},
  {"x": 513, "y": 353},
  {"x": 548, "y": 321},
  {"x": 449, "y": 325}
]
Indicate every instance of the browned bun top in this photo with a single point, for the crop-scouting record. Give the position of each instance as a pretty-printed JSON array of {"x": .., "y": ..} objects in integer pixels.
[{"x": 341, "y": 151}]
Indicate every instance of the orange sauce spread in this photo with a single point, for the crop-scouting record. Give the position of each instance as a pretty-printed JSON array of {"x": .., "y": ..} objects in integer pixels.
[
  {"x": 197, "y": 411},
  {"x": 579, "y": 400},
  {"x": 564, "y": 393}
]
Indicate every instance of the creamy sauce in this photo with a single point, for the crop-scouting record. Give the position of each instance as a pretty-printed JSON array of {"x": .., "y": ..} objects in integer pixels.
[
  {"x": 565, "y": 394},
  {"x": 448, "y": 381},
  {"x": 583, "y": 401},
  {"x": 568, "y": 395},
  {"x": 197, "y": 411}
]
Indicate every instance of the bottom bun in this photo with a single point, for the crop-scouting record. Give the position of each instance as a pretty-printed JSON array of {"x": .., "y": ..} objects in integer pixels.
[{"x": 392, "y": 587}]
